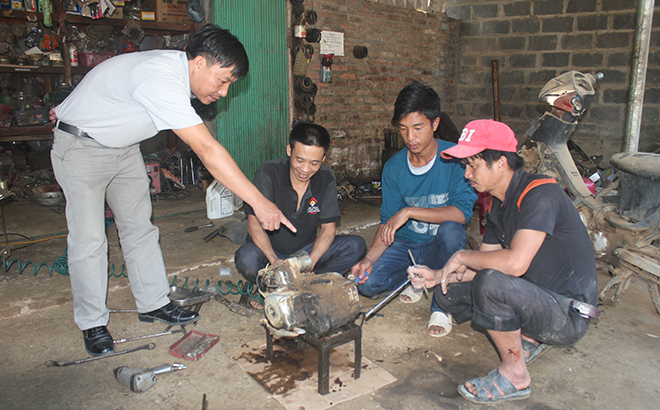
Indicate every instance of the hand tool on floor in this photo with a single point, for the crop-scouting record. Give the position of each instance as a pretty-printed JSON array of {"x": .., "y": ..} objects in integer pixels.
[
  {"x": 384, "y": 301},
  {"x": 196, "y": 228},
  {"x": 141, "y": 380},
  {"x": 412, "y": 258},
  {"x": 52, "y": 363},
  {"x": 130, "y": 339},
  {"x": 213, "y": 234},
  {"x": 233, "y": 306}
]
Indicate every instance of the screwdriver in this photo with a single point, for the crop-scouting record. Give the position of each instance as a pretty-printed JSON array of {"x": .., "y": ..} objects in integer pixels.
[
  {"x": 426, "y": 291},
  {"x": 194, "y": 228}
]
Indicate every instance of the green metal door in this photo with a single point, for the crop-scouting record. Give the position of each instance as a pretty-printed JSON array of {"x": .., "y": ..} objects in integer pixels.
[{"x": 253, "y": 120}]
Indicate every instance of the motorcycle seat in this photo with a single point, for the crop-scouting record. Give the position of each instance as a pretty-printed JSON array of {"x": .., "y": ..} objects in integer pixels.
[{"x": 642, "y": 164}]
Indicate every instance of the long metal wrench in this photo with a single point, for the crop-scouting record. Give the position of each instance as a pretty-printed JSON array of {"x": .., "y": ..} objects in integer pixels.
[
  {"x": 384, "y": 301},
  {"x": 52, "y": 363},
  {"x": 130, "y": 339}
]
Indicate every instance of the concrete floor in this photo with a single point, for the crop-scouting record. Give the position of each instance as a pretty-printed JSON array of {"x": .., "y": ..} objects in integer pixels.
[{"x": 615, "y": 366}]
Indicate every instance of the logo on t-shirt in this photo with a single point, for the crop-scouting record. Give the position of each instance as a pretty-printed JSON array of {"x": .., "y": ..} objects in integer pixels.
[{"x": 313, "y": 207}]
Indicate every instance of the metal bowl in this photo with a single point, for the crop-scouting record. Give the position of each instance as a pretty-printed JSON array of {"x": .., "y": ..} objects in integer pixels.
[{"x": 49, "y": 198}]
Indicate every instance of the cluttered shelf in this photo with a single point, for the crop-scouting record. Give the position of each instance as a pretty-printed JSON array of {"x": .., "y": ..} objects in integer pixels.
[{"x": 27, "y": 133}]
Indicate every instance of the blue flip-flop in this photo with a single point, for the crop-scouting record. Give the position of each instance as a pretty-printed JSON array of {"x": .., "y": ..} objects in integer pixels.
[
  {"x": 534, "y": 351},
  {"x": 488, "y": 384}
]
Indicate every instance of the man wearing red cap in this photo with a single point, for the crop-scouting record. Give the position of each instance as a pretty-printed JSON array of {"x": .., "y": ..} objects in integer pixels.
[{"x": 533, "y": 283}]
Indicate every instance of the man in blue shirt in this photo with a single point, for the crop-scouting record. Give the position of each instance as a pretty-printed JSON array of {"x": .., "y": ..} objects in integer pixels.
[{"x": 426, "y": 201}]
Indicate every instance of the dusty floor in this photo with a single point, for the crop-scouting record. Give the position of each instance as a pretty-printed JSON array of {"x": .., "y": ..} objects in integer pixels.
[{"x": 615, "y": 366}]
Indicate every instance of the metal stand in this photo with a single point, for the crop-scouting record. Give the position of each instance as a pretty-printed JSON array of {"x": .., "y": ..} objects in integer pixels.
[
  {"x": 345, "y": 334},
  {"x": 5, "y": 197}
]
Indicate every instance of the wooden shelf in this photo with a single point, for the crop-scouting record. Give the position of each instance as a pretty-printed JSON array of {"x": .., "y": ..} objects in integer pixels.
[
  {"x": 27, "y": 133},
  {"x": 39, "y": 70},
  {"x": 145, "y": 25},
  {"x": 75, "y": 19}
]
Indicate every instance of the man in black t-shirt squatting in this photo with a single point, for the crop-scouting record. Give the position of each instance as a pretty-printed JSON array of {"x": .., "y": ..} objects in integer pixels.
[
  {"x": 306, "y": 192},
  {"x": 532, "y": 284}
]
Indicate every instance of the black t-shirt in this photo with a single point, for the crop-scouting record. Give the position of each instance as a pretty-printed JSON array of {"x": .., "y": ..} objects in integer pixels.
[
  {"x": 319, "y": 204},
  {"x": 565, "y": 263}
]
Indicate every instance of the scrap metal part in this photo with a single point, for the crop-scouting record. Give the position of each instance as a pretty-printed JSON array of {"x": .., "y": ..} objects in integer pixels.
[{"x": 297, "y": 302}]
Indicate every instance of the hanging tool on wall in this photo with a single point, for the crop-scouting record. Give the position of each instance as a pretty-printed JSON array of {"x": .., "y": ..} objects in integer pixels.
[{"x": 326, "y": 71}]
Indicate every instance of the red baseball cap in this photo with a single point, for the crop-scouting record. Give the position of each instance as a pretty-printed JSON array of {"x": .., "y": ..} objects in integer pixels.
[{"x": 479, "y": 135}]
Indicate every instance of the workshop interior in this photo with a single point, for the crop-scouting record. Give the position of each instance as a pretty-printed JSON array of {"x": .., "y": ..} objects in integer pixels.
[{"x": 578, "y": 82}]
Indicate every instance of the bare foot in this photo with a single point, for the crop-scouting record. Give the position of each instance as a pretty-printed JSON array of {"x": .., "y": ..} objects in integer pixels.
[
  {"x": 254, "y": 304},
  {"x": 437, "y": 330}
]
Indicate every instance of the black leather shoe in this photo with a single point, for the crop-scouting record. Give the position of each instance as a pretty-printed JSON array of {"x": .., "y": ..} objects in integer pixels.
[
  {"x": 170, "y": 314},
  {"x": 98, "y": 341}
]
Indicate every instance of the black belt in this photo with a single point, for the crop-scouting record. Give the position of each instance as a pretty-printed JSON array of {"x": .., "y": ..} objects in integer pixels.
[
  {"x": 586, "y": 310},
  {"x": 72, "y": 130}
]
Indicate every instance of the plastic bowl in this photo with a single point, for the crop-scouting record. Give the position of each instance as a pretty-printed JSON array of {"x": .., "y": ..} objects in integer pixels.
[{"x": 5, "y": 109}]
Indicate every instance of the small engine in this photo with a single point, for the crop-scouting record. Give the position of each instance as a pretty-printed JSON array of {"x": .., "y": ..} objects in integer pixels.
[{"x": 296, "y": 303}]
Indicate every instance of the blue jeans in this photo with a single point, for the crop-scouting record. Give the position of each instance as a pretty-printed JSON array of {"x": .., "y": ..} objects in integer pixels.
[
  {"x": 389, "y": 271},
  {"x": 344, "y": 252}
]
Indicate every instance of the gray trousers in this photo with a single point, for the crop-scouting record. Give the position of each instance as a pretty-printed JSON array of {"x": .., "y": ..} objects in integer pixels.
[
  {"x": 505, "y": 303},
  {"x": 91, "y": 174}
]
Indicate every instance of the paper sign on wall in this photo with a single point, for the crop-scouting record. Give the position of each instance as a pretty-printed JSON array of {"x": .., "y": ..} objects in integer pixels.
[{"x": 332, "y": 42}]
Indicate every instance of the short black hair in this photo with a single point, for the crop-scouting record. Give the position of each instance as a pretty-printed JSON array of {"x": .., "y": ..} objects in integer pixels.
[
  {"x": 416, "y": 97},
  {"x": 514, "y": 160},
  {"x": 309, "y": 134},
  {"x": 219, "y": 46}
]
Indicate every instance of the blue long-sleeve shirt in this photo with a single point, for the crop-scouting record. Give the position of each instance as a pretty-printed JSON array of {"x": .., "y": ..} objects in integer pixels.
[{"x": 442, "y": 185}]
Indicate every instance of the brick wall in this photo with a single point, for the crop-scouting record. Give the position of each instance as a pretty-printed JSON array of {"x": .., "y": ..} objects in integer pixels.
[
  {"x": 534, "y": 41},
  {"x": 356, "y": 107}
]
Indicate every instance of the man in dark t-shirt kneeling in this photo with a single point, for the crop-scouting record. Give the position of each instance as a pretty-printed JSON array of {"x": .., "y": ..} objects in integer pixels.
[
  {"x": 306, "y": 192},
  {"x": 532, "y": 284}
]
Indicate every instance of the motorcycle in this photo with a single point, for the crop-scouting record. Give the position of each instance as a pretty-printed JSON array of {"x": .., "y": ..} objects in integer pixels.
[{"x": 623, "y": 219}]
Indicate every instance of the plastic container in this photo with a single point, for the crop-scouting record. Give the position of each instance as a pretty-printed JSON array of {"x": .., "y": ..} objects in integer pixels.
[{"x": 219, "y": 201}]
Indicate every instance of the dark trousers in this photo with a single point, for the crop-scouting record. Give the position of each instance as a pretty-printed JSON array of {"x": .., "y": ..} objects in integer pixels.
[
  {"x": 506, "y": 303},
  {"x": 344, "y": 252}
]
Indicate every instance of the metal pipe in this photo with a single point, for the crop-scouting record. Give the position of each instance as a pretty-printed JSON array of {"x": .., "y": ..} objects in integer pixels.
[
  {"x": 497, "y": 110},
  {"x": 638, "y": 74}
]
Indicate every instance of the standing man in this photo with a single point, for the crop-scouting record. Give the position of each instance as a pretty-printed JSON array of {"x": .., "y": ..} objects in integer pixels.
[
  {"x": 426, "y": 201},
  {"x": 96, "y": 158},
  {"x": 306, "y": 192},
  {"x": 533, "y": 283}
]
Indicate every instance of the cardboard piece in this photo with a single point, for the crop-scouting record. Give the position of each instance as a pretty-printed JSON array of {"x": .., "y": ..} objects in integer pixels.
[
  {"x": 173, "y": 11},
  {"x": 292, "y": 377}
]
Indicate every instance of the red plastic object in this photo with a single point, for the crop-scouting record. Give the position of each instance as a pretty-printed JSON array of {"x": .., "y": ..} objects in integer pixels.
[
  {"x": 193, "y": 345},
  {"x": 590, "y": 185},
  {"x": 93, "y": 59}
]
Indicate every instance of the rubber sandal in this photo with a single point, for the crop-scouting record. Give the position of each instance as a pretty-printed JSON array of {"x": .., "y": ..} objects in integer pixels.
[
  {"x": 441, "y": 319},
  {"x": 488, "y": 384},
  {"x": 413, "y": 296},
  {"x": 533, "y": 351}
]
